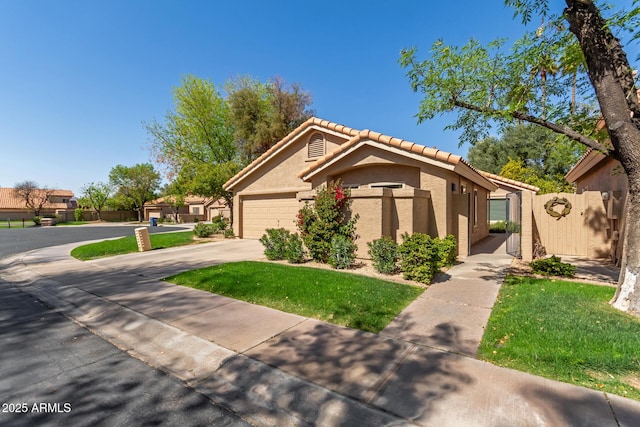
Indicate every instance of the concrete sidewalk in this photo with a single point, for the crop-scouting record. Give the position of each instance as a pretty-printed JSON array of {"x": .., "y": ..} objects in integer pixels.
[{"x": 275, "y": 368}]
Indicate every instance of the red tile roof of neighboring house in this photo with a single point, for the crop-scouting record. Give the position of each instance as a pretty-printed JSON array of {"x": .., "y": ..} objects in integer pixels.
[
  {"x": 508, "y": 181},
  {"x": 9, "y": 201},
  {"x": 354, "y": 137}
]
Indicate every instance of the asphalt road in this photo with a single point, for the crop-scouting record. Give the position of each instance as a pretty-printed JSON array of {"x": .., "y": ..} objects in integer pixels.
[
  {"x": 54, "y": 372},
  {"x": 17, "y": 240}
]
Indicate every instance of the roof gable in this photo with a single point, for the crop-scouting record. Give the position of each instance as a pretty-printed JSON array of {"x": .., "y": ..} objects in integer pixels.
[
  {"x": 587, "y": 162},
  {"x": 404, "y": 148},
  {"x": 312, "y": 123}
]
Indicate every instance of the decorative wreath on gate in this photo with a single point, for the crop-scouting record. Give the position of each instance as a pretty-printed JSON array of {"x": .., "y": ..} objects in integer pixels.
[{"x": 551, "y": 204}]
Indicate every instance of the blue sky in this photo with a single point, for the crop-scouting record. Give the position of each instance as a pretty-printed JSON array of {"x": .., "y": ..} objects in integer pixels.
[{"x": 78, "y": 77}]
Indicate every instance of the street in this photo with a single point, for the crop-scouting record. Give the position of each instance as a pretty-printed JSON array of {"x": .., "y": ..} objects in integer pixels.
[{"x": 55, "y": 372}]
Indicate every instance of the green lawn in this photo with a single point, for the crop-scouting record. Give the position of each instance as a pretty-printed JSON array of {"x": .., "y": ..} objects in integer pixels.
[
  {"x": 341, "y": 298},
  {"x": 128, "y": 244},
  {"x": 564, "y": 331},
  {"x": 16, "y": 223}
]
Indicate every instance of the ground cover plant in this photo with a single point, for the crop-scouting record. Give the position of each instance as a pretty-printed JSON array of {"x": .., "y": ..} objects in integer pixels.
[
  {"x": 128, "y": 244},
  {"x": 341, "y": 298},
  {"x": 564, "y": 331}
]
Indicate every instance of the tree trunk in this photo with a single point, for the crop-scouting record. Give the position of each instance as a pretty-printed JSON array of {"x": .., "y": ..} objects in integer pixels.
[
  {"x": 611, "y": 77},
  {"x": 627, "y": 297}
]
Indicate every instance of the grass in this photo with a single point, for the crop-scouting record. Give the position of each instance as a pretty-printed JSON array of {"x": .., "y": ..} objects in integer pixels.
[
  {"x": 72, "y": 223},
  {"x": 341, "y": 298},
  {"x": 128, "y": 244},
  {"x": 16, "y": 223},
  {"x": 564, "y": 331},
  {"x": 498, "y": 227}
]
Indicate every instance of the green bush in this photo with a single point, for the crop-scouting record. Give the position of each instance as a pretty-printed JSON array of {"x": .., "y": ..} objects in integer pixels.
[
  {"x": 294, "y": 251},
  {"x": 342, "y": 252},
  {"x": 228, "y": 233},
  {"x": 219, "y": 222},
  {"x": 553, "y": 266},
  {"x": 78, "y": 214},
  {"x": 275, "y": 243},
  {"x": 384, "y": 254},
  {"x": 203, "y": 230},
  {"x": 498, "y": 227},
  {"x": 419, "y": 257},
  {"x": 36, "y": 220},
  {"x": 447, "y": 251}
]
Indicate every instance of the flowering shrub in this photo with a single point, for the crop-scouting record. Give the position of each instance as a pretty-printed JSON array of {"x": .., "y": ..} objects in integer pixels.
[{"x": 329, "y": 216}]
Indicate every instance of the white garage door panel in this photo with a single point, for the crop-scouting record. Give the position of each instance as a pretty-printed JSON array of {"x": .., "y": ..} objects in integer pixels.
[{"x": 260, "y": 214}]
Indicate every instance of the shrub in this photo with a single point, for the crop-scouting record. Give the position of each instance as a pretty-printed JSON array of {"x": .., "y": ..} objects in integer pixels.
[
  {"x": 329, "y": 216},
  {"x": 553, "y": 266},
  {"x": 228, "y": 234},
  {"x": 78, "y": 214},
  {"x": 342, "y": 252},
  {"x": 419, "y": 257},
  {"x": 36, "y": 220},
  {"x": 447, "y": 251},
  {"x": 219, "y": 222},
  {"x": 498, "y": 227},
  {"x": 294, "y": 251},
  {"x": 275, "y": 243},
  {"x": 384, "y": 254},
  {"x": 203, "y": 230}
]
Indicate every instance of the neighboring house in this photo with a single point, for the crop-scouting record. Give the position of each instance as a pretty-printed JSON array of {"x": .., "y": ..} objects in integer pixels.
[
  {"x": 597, "y": 172},
  {"x": 202, "y": 208},
  {"x": 12, "y": 207},
  {"x": 396, "y": 186},
  {"x": 498, "y": 198}
]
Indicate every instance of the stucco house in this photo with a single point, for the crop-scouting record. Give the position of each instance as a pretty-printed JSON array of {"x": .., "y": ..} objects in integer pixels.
[
  {"x": 12, "y": 207},
  {"x": 194, "y": 207},
  {"x": 597, "y": 172},
  {"x": 396, "y": 186}
]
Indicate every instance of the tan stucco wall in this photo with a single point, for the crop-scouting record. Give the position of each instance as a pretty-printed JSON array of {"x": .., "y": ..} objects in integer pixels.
[
  {"x": 605, "y": 176},
  {"x": 388, "y": 212}
]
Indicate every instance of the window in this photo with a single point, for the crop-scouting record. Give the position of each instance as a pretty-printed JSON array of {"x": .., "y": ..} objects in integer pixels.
[
  {"x": 316, "y": 146},
  {"x": 195, "y": 210},
  {"x": 387, "y": 185},
  {"x": 475, "y": 207}
]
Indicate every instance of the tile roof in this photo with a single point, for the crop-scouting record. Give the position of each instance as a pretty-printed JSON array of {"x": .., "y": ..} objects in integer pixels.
[
  {"x": 354, "y": 137},
  {"x": 408, "y": 146},
  {"x": 508, "y": 181},
  {"x": 313, "y": 121},
  {"x": 9, "y": 201}
]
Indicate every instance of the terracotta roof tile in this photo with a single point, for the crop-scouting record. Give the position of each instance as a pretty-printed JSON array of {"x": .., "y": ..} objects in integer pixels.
[
  {"x": 347, "y": 131},
  {"x": 9, "y": 201},
  {"x": 510, "y": 181},
  {"x": 394, "y": 142}
]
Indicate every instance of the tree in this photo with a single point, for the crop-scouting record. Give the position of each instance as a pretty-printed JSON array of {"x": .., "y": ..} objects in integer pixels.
[
  {"x": 486, "y": 87},
  {"x": 264, "y": 113},
  {"x": 196, "y": 141},
  {"x": 34, "y": 198},
  {"x": 134, "y": 186},
  {"x": 547, "y": 159},
  {"x": 95, "y": 196}
]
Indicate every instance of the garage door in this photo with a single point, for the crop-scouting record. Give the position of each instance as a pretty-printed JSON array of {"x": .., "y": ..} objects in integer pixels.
[{"x": 260, "y": 213}]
